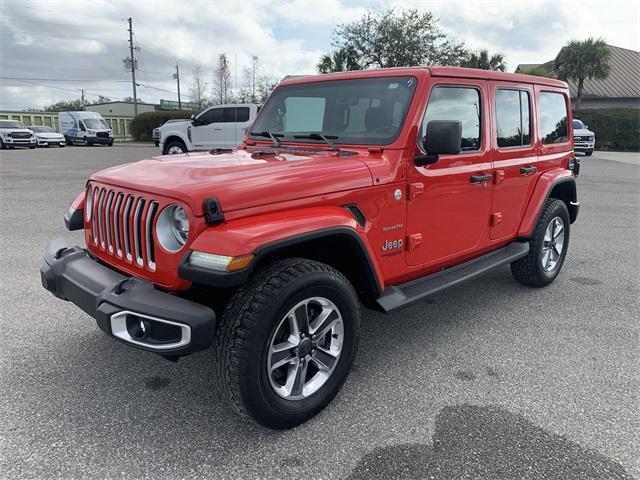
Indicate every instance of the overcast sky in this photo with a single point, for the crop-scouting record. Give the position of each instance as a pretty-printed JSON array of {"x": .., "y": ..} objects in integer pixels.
[{"x": 60, "y": 47}]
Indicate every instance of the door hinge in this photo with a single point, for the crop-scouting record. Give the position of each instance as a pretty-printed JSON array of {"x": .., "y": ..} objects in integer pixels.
[
  {"x": 415, "y": 190},
  {"x": 499, "y": 176},
  {"x": 495, "y": 219},
  {"x": 415, "y": 240}
]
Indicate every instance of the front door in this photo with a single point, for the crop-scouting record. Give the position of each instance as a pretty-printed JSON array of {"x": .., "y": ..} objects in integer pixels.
[
  {"x": 450, "y": 200},
  {"x": 209, "y": 131}
]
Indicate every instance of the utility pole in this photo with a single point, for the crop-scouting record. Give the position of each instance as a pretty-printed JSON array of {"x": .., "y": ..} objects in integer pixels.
[
  {"x": 82, "y": 90},
  {"x": 177, "y": 77},
  {"x": 133, "y": 68}
]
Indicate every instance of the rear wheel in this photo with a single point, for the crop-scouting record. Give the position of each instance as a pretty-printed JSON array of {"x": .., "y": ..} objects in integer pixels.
[
  {"x": 548, "y": 247},
  {"x": 175, "y": 147},
  {"x": 286, "y": 342}
]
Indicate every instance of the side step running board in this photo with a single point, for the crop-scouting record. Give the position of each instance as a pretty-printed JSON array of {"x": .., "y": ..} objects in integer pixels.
[{"x": 395, "y": 297}]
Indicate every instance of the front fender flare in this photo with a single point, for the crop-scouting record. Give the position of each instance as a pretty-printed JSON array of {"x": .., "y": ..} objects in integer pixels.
[{"x": 264, "y": 234}]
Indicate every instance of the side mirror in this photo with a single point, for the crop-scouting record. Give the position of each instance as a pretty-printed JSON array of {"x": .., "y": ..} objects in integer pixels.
[
  {"x": 443, "y": 137},
  {"x": 194, "y": 120}
]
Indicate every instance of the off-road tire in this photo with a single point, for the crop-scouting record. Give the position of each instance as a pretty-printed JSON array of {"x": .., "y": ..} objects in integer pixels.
[
  {"x": 248, "y": 323},
  {"x": 528, "y": 270},
  {"x": 174, "y": 143}
]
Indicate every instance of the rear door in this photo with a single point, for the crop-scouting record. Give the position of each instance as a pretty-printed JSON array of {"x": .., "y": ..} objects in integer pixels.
[
  {"x": 236, "y": 121},
  {"x": 450, "y": 200},
  {"x": 514, "y": 155}
]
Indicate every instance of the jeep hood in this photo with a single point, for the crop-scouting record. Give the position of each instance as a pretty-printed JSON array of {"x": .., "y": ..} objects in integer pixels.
[{"x": 240, "y": 179}]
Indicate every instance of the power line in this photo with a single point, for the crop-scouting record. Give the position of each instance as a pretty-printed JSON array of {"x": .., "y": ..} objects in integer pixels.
[
  {"x": 65, "y": 36},
  {"x": 64, "y": 79},
  {"x": 157, "y": 88},
  {"x": 66, "y": 13},
  {"x": 22, "y": 19}
]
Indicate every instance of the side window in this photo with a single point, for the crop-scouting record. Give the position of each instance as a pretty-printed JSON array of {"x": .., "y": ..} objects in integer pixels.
[
  {"x": 552, "y": 110},
  {"x": 512, "y": 118},
  {"x": 460, "y": 104},
  {"x": 211, "y": 116},
  {"x": 235, "y": 114}
]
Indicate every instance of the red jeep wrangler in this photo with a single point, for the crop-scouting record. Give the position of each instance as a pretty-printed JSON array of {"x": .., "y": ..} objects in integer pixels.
[{"x": 379, "y": 187}]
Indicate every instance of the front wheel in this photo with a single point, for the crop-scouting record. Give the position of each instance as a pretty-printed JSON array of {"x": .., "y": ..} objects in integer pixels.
[
  {"x": 175, "y": 147},
  {"x": 548, "y": 247},
  {"x": 588, "y": 153},
  {"x": 286, "y": 342}
]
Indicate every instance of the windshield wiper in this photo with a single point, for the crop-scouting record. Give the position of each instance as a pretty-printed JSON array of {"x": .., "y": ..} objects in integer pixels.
[
  {"x": 319, "y": 136},
  {"x": 272, "y": 135}
]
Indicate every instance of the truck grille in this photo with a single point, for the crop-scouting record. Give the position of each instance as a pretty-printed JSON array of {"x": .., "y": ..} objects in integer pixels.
[
  {"x": 20, "y": 135},
  {"x": 102, "y": 134},
  {"x": 122, "y": 225}
]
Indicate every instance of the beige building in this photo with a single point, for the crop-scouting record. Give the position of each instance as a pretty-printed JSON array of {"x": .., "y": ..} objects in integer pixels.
[{"x": 621, "y": 89}]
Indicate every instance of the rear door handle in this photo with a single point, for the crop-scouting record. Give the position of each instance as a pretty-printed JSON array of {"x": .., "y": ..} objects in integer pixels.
[
  {"x": 527, "y": 170},
  {"x": 217, "y": 129},
  {"x": 480, "y": 178}
]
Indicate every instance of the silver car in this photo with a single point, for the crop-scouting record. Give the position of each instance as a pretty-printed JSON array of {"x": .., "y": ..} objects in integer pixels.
[{"x": 47, "y": 136}]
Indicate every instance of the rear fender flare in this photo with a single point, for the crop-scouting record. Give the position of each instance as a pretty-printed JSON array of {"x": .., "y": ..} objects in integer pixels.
[{"x": 547, "y": 182}]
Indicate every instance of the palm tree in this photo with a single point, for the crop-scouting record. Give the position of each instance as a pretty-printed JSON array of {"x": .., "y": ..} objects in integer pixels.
[
  {"x": 581, "y": 60},
  {"x": 484, "y": 61},
  {"x": 339, "y": 61}
]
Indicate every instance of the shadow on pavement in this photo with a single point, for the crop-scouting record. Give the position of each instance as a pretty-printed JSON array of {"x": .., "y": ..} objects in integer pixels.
[{"x": 487, "y": 442}]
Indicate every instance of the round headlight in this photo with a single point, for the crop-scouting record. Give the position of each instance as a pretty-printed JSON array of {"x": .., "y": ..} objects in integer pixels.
[
  {"x": 172, "y": 228},
  {"x": 88, "y": 204}
]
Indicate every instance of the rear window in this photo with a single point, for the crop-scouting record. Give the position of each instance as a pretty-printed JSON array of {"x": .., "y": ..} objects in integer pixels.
[
  {"x": 512, "y": 118},
  {"x": 552, "y": 113}
]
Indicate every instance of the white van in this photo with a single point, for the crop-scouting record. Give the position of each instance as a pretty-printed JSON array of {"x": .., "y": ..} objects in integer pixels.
[
  {"x": 84, "y": 128},
  {"x": 222, "y": 126}
]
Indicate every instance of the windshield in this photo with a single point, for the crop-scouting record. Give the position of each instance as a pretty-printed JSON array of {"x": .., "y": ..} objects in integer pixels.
[
  {"x": 577, "y": 124},
  {"x": 10, "y": 124},
  {"x": 366, "y": 111},
  {"x": 38, "y": 129},
  {"x": 95, "y": 123}
]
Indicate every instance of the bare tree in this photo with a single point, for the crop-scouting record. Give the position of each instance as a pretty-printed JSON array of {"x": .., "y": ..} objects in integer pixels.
[
  {"x": 198, "y": 89},
  {"x": 222, "y": 80},
  {"x": 252, "y": 79}
]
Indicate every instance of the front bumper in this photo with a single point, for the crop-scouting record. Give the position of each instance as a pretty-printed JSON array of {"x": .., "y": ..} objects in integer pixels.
[
  {"x": 19, "y": 141},
  {"x": 127, "y": 308},
  {"x": 583, "y": 146},
  {"x": 48, "y": 143},
  {"x": 100, "y": 140}
]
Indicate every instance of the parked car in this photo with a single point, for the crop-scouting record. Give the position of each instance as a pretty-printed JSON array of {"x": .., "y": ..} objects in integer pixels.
[
  {"x": 584, "y": 140},
  {"x": 222, "y": 126},
  {"x": 15, "y": 134},
  {"x": 375, "y": 187},
  {"x": 155, "y": 134},
  {"x": 47, "y": 136},
  {"x": 85, "y": 128}
]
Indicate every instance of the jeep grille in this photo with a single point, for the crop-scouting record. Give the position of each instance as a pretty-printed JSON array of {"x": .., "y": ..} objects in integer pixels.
[{"x": 122, "y": 225}]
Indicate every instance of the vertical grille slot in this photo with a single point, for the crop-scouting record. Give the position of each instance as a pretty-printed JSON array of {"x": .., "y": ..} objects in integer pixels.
[
  {"x": 137, "y": 240},
  {"x": 107, "y": 220},
  {"x": 94, "y": 215},
  {"x": 151, "y": 213},
  {"x": 117, "y": 225},
  {"x": 126, "y": 215},
  {"x": 103, "y": 194}
]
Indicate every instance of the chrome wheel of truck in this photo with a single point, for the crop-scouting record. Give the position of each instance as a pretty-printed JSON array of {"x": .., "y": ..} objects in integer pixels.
[
  {"x": 305, "y": 348},
  {"x": 286, "y": 341}
]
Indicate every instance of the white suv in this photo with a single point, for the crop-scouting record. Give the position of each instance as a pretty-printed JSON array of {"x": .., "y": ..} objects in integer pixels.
[
  {"x": 222, "y": 126},
  {"x": 15, "y": 134}
]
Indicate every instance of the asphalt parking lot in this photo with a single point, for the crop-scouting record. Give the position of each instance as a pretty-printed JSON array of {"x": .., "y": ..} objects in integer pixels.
[{"x": 488, "y": 380}]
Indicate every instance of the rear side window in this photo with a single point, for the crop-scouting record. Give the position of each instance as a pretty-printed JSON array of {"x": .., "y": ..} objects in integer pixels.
[
  {"x": 512, "y": 118},
  {"x": 235, "y": 114},
  {"x": 552, "y": 110},
  {"x": 459, "y": 104},
  {"x": 211, "y": 116}
]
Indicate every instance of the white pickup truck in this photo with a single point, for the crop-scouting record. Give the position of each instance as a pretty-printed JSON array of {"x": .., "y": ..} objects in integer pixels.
[{"x": 221, "y": 126}]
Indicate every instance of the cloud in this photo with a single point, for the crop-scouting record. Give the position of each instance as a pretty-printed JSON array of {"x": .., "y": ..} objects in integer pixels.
[{"x": 67, "y": 40}]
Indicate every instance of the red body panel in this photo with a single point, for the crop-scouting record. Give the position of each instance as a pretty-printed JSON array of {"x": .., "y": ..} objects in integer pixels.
[{"x": 418, "y": 219}]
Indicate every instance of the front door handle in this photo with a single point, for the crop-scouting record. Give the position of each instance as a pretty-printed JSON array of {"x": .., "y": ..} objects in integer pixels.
[
  {"x": 480, "y": 178},
  {"x": 217, "y": 129},
  {"x": 527, "y": 170}
]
